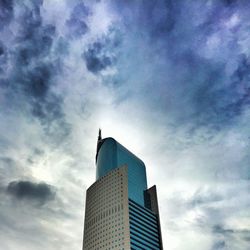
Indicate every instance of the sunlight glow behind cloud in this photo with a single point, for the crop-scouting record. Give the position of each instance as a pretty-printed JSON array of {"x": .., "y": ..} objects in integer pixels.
[{"x": 167, "y": 79}]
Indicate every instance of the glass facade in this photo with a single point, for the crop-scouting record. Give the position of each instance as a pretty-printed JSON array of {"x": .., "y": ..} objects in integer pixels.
[
  {"x": 113, "y": 155},
  {"x": 119, "y": 204},
  {"x": 144, "y": 228}
]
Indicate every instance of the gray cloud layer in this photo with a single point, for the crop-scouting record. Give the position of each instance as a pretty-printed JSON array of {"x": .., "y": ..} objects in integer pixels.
[
  {"x": 29, "y": 190},
  {"x": 168, "y": 79},
  {"x": 198, "y": 59}
]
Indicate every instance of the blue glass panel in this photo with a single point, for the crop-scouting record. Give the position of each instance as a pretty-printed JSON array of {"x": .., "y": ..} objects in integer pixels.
[
  {"x": 113, "y": 155},
  {"x": 144, "y": 245},
  {"x": 144, "y": 216},
  {"x": 143, "y": 228},
  {"x": 107, "y": 158},
  {"x": 144, "y": 231},
  {"x": 147, "y": 234},
  {"x": 145, "y": 240},
  {"x": 147, "y": 222},
  {"x": 142, "y": 209},
  {"x": 140, "y": 223},
  {"x": 138, "y": 246},
  {"x": 137, "y": 181}
]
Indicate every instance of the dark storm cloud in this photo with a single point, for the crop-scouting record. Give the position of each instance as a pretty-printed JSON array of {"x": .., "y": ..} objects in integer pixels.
[
  {"x": 214, "y": 100},
  {"x": 35, "y": 81},
  {"x": 237, "y": 94},
  {"x": 229, "y": 2},
  {"x": 155, "y": 17},
  {"x": 34, "y": 42},
  {"x": 2, "y": 50},
  {"x": 6, "y": 12},
  {"x": 77, "y": 23},
  {"x": 159, "y": 17},
  {"x": 41, "y": 192},
  {"x": 35, "y": 64},
  {"x": 204, "y": 100},
  {"x": 196, "y": 88},
  {"x": 95, "y": 59},
  {"x": 3, "y": 61},
  {"x": 175, "y": 66}
]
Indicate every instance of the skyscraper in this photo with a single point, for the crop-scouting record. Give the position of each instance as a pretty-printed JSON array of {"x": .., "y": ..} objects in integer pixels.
[{"x": 120, "y": 212}]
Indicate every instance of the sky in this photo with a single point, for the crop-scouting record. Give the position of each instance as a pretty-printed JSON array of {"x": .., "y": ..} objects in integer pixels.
[{"x": 168, "y": 79}]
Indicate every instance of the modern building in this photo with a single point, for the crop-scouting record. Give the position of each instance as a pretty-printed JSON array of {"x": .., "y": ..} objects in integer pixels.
[{"x": 121, "y": 213}]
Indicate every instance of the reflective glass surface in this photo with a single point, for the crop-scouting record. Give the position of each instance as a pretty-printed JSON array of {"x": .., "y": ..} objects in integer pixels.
[
  {"x": 113, "y": 155},
  {"x": 144, "y": 230}
]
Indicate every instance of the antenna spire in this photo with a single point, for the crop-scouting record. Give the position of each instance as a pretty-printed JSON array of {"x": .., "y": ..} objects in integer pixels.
[
  {"x": 100, "y": 135},
  {"x": 98, "y": 143}
]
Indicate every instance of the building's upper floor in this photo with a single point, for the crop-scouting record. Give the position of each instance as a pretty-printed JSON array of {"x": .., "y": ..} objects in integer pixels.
[{"x": 111, "y": 155}]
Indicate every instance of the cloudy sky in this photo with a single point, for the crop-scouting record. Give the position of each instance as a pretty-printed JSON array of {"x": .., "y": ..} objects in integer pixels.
[{"x": 170, "y": 80}]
